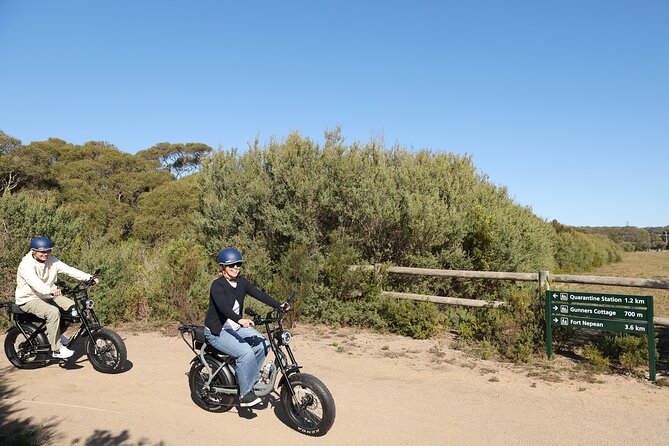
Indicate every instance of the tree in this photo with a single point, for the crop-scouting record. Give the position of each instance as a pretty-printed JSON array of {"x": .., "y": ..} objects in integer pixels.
[
  {"x": 30, "y": 166},
  {"x": 8, "y": 143},
  {"x": 104, "y": 184},
  {"x": 9, "y": 178},
  {"x": 167, "y": 211},
  {"x": 178, "y": 159}
]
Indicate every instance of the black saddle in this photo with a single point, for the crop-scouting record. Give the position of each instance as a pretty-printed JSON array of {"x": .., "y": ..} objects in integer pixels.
[
  {"x": 26, "y": 316},
  {"x": 198, "y": 336}
]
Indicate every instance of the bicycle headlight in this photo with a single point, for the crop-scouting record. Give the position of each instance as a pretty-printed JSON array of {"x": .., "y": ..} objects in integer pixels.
[
  {"x": 89, "y": 303},
  {"x": 286, "y": 337}
]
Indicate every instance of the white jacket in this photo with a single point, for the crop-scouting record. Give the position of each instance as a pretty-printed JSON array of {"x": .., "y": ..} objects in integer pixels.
[{"x": 36, "y": 280}]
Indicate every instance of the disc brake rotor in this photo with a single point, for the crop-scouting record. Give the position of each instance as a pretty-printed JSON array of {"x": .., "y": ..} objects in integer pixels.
[{"x": 305, "y": 398}]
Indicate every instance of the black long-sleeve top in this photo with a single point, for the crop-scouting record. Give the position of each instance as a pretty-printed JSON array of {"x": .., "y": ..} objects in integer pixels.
[{"x": 222, "y": 298}]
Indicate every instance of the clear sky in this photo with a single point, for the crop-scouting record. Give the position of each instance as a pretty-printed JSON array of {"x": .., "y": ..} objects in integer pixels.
[{"x": 566, "y": 103}]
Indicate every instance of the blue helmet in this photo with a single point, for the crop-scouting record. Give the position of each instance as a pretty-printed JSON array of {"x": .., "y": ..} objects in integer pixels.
[
  {"x": 41, "y": 244},
  {"x": 229, "y": 256}
]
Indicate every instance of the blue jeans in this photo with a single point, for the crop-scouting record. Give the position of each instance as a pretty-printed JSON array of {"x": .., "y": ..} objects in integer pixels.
[{"x": 248, "y": 347}]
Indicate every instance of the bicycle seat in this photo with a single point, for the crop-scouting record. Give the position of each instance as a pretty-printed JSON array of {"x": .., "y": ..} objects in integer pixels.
[
  {"x": 198, "y": 334},
  {"x": 15, "y": 308}
]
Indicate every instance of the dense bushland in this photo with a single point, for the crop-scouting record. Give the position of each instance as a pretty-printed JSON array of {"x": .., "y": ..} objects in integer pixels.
[
  {"x": 635, "y": 239},
  {"x": 301, "y": 214},
  {"x": 576, "y": 250}
]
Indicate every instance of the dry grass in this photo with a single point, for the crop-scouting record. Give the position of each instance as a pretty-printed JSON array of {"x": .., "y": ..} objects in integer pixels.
[{"x": 646, "y": 265}]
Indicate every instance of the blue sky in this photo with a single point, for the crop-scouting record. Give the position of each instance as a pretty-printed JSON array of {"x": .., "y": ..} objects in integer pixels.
[{"x": 564, "y": 103}]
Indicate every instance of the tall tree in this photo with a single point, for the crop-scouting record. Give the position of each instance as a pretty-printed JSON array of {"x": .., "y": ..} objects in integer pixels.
[
  {"x": 9, "y": 178},
  {"x": 178, "y": 159},
  {"x": 8, "y": 143},
  {"x": 103, "y": 183},
  {"x": 30, "y": 166}
]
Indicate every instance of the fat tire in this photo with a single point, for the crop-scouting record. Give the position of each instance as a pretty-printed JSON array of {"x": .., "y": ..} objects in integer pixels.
[
  {"x": 13, "y": 336},
  {"x": 198, "y": 375},
  {"x": 114, "y": 355},
  {"x": 315, "y": 398}
]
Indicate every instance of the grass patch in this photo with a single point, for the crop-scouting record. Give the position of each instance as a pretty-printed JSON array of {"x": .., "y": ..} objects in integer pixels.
[
  {"x": 642, "y": 265},
  {"x": 662, "y": 382}
]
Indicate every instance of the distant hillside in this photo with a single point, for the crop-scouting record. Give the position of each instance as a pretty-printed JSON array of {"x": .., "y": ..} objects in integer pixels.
[{"x": 632, "y": 238}]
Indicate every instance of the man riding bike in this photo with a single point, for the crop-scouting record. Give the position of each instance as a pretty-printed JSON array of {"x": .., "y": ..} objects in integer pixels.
[{"x": 37, "y": 293}]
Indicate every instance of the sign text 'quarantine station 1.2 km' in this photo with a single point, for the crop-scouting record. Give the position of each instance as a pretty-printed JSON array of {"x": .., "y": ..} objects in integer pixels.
[{"x": 593, "y": 298}]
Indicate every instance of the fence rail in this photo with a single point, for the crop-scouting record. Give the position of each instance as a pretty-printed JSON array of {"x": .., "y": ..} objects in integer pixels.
[{"x": 543, "y": 278}]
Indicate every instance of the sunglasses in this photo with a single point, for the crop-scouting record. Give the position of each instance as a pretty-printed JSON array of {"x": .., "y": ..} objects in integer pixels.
[{"x": 235, "y": 265}]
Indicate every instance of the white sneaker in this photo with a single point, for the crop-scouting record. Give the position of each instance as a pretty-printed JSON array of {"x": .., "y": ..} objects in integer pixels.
[
  {"x": 64, "y": 339},
  {"x": 63, "y": 353}
]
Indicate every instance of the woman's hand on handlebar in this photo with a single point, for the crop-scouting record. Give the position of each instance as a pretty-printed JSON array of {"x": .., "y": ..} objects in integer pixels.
[{"x": 246, "y": 323}]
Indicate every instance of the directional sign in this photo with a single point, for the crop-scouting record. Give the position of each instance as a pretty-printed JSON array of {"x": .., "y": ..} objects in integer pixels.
[
  {"x": 600, "y": 324},
  {"x": 598, "y": 312},
  {"x": 578, "y": 297}
]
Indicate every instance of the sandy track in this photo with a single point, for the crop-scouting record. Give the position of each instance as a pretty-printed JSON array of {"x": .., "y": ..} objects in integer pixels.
[{"x": 388, "y": 391}]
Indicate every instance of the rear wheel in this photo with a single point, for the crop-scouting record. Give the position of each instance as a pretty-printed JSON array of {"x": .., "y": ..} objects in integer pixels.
[
  {"x": 21, "y": 353},
  {"x": 312, "y": 409},
  {"x": 205, "y": 397},
  {"x": 106, "y": 351}
]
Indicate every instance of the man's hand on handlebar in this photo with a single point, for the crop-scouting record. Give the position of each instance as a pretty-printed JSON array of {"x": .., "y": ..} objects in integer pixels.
[{"x": 285, "y": 307}]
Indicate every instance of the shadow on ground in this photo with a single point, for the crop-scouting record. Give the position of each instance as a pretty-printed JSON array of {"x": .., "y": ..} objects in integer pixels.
[
  {"x": 106, "y": 438},
  {"x": 16, "y": 429}
]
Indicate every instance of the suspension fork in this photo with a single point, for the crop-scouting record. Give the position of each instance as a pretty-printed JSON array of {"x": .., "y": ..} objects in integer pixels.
[
  {"x": 87, "y": 327},
  {"x": 286, "y": 369}
]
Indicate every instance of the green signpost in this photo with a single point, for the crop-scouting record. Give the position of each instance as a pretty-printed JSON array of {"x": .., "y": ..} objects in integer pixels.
[{"x": 597, "y": 311}]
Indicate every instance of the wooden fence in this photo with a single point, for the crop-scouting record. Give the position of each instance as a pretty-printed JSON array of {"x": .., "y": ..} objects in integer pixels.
[{"x": 543, "y": 279}]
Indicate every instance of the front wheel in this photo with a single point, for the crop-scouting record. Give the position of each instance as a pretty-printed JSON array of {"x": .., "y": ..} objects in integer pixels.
[
  {"x": 21, "y": 352},
  {"x": 106, "y": 351},
  {"x": 312, "y": 409}
]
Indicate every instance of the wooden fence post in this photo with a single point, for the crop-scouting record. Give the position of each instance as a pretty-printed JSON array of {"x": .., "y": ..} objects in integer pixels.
[
  {"x": 543, "y": 279},
  {"x": 378, "y": 276}
]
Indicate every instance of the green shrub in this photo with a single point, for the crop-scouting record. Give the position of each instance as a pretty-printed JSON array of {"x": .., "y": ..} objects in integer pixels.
[
  {"x": 627, "y": 350},
  {"x": 119, "y": 273},
  {"x": 177, "y": 277},
  {"x": 632, "y": 351},
  {"x": 419, "y": 320},
  {"x": 597, "y": 362},
  {"x": 576, "y": 250}
]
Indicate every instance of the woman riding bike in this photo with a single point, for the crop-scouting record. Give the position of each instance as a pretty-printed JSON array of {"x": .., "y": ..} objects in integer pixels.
[{"x": 229, "y": 332}]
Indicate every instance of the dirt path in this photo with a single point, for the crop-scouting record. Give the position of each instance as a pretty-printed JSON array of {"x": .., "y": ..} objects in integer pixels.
[{"x": 388, "y": 390}]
